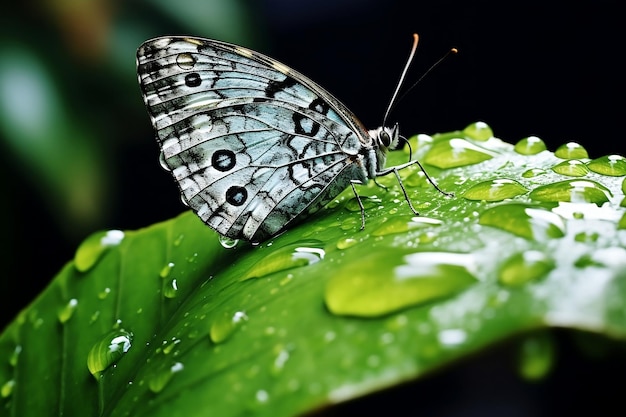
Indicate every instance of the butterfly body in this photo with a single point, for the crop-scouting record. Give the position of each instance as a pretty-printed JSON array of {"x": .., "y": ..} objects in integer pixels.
[{"x": 253, "y": 145}]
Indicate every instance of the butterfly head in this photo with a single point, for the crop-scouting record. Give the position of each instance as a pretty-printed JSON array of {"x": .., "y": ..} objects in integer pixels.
[{"x": 385, "y": 139}]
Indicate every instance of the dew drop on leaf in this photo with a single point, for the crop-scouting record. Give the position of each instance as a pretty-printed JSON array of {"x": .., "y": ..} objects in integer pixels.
[
  {"x": 7, "y": 388},
  {"x": 524, "y": 267},
  {"x": 533, "y": 172},
  {"x": 404, "y": 223},
  {"x": 531, "y": 145},
  {"x": 575, "y": 191},
  {"x": 524, "y": 220},
  {"x": 382, "y": 284},
  {"x": 571, "y": 168},
  {"x": 456, "y": 152},
  {"x": 92, "y": 248},
  {"x": 611, "y": 165},
  {"x": 163, "y": 376},
  {"x": 65, "y": 313},
  {"x": 294, "y": 255},
  {"x": 571, "y": 150},
  {"x": 108, "y": 350},
  {"x": 346, "y": 242},
  {"x": 536, "y": 356},
  {"x": 228, "y": 242},
  {"x": 225, "y": 325},
  {"x": 479, "y": 131},
  {"x": 494, "y": 190}
]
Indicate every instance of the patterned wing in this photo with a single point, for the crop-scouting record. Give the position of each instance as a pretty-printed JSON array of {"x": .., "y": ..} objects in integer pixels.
[{"x": 252, "y": 144}]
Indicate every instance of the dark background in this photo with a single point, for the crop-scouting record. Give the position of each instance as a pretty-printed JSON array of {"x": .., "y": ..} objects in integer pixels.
[{"x": 550, "y": 69}]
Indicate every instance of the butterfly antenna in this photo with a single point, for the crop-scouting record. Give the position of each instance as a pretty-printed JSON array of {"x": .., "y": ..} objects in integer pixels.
[
  {"x": 432, "y": 67},
  {"x": 406, "y": 68}
]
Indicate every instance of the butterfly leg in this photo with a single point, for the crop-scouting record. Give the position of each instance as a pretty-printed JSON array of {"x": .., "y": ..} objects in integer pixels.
[
  {"x": 408, "y": 164},
  {"x": 358, "y": 199},
  {"x": 384, "y": 187}
]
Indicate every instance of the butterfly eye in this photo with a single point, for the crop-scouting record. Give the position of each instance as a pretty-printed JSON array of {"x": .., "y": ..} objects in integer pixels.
[{"x": 384, "y": 138}]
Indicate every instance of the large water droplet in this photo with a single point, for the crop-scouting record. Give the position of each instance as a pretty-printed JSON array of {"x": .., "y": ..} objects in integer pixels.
[
  {"x": 15, "y": 355},
  {"x": 228, "y": 242},
  {"x": 537, "y": 355},
  {"x": 530, "y": 146},
  {"x": 534, "y": 172},
  {"x": 494, "y": 190},
  {"x": 571, "y": 168},
  {"x": 92, "y": 248},
  {"x": 65, "y": 313},
  {"x": 108, "y": 350},
  {"x": 479, "y": 131},
  {"x": 160, "y": 379},
  {"x": 524, "y": 267},
  {"x": 163, "y": 162},
  {"x": 524, "y": 220},
  {"x": 456, "y": 152},
  {"x": 612, "y": 165},
  {"x": 346, "y": 242},
  {"x": 291, "y": 256},
  {"x": 226, "y": 324},
  {"x": 571, "y": 150},
  {"x": 575, "y": 191},
  {"x": 402, "y": 224},
  {"x": 7, "y": 388},
  {"x": 385, "y": 283}
]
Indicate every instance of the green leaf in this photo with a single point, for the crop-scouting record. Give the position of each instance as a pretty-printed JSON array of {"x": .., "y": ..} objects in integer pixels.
[{"x": 170, "y": 320}]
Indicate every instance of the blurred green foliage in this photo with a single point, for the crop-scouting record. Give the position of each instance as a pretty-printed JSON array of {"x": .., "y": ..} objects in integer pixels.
[{"x": 72, "y": 119}]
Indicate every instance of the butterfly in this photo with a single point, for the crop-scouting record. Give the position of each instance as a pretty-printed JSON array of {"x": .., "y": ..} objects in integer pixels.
[{"x": 254, "y": 145}]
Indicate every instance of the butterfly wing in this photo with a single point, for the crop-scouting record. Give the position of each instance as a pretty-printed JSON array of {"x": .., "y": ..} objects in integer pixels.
[{"x": 252, "y": 144}]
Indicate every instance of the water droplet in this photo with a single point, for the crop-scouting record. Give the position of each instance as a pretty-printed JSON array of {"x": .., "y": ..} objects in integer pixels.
[
  {"x": 228, "y": 242},
  {"x": 369, "y": 203},
  {"x": 479, "y": 131},
  {"x": 586, "y": 237},
  {"x": 108, "y": 350},
  {"x": 537, "y": 355},
  {"x": 524, "y": 220},
  {"x": 611, "y": 165},
  {"x": 494, "y": 190},
  {"x": 225, "y": 325},
  {"x": 104, "y": 293},
  {"x": 168, "y": 346},
  {"x": 65, "y": 313},
  {"x": 385, "y": 283},
  {"x": 262, "y": 396},
  {"x": 15, "y": 355},
  {"x": 531, "y": 145},
  {"x": 534, "y": 172},
  {"x": 456, "y": 152},
  {"x": 7, "y": 388},
  {"x": 575, "y": 191},
  {"x": 158, "y": 381},
  {"x": 290, "y": 256},
  {"x": 92, "y": 248},
  {"x": 524, "y": 267},
  {"x": 571, "y": 168},
  {"x": 452, "y": 337},
  {"x": 165, "y": 271},
  {"x": 163, "y": 162},
  {"x": 571, "y": 150},
  {"x": 281, "y": 356},
  {"x": 179, "y": 240},
  {"x": 401, "y": 224},
  {"x": 346, "y": 242},
  {"x": 170, "y": 289}
]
